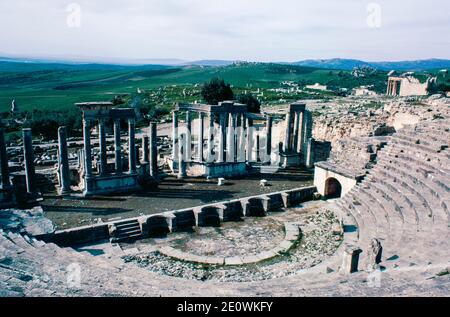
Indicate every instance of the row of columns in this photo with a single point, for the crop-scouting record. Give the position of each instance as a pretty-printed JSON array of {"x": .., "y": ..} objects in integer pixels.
[
  {"x": 63, "y": 155},
  {"x": 297, "y": 125},
  {"x": 103, "y": 149},
  {"x": 30, "y": 174},
  {"x": 392, "y": 87},
  {"x": 238, "y": 142}
]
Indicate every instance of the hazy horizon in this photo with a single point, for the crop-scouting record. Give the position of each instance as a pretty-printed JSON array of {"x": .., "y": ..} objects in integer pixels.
[{"x": 248, "y": 30}]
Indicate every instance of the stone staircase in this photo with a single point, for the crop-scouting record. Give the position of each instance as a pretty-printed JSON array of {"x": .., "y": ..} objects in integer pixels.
[{"x": 128, "y": 230}]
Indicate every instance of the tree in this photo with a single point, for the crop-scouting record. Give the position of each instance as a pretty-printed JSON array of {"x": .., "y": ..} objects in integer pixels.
[
  {"x": 251, "y": 101},
  {"x": 216, "y": 90}
]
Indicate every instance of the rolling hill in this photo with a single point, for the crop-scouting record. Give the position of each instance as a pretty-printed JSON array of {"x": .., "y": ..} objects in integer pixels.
[{"x": 349, "y": 64}]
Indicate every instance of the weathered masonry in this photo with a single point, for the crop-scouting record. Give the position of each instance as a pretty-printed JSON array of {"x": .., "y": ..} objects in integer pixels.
[
  {"x": 407, "y": 86},
  {"x": 298, "y": 143},
  {"x": 178, "y": 220},
  {"x": 233, "y": 140},
  {"x": 6, "y": 189},
  {"x": 106, "y": 179}
]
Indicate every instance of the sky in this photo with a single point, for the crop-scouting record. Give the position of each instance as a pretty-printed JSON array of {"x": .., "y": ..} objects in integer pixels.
[{"x": 251, "y": 30}]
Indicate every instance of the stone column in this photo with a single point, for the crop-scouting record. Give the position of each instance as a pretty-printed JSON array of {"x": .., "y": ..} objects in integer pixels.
[
  {"x": 63, "y": 161},
  {"x": 301, "y": 132},
  {"x": 175, "y": 143},
  {"x": 230, "y": 138},
  {"x": 296, "y": 131},
  {"x": 210, "y": 157},
  {"x": 29, "y": 161},
  {"x": 117, "y": 147},
  {"x": 222, "y": 128},
  {"x": 310, "y": 153},
  {"x": 103, "y": 151},
  {"x": 131, "y": 146},
  {"x": 307, "y": 129},
  {"x": 249, "y": 153},
  {"x": 87, "y": 149},
  {"x": 153, "y": 150},
  {"x": 201, "y": 124},
  {"x": 268, "y": 138},
  {"x": 287, "y": 138},
  {"x": 181, "y": 163},
  {"x": 188, "y": 153},
  {"x": 6, "y": 183},
  {"x": 258, "y": 148},
  {"x": 145, "y": 148},
  {"x": 241, "y": 141}
]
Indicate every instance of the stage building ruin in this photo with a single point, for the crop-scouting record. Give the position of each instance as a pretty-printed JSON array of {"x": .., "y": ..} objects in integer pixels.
[{"x": 234, "y": 142}]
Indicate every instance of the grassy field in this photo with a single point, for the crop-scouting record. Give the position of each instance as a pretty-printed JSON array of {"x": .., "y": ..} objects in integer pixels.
[{"x": 55, "y": 87}]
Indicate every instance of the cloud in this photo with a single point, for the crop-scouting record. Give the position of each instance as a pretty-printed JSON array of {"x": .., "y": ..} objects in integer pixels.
[{"x": 229, "y": 29}]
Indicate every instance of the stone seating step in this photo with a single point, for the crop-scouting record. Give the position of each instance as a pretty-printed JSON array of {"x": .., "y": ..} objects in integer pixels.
[
  {"x": 429, "y": 185},
  {"x": 420, "y": 204},
  {"x": 409, "y": 214},
  {"x": 420, "y": 169},
  {"x": 428, "y": 138},
  {"x": 437, "y": 165},
  {"x": 420, "y": 142},
  {"x": 381, "y": 230},
  {"x": 428, "y": 189},
  {"x": 441, "y": 161},
  {"x": 396, "y": 229}
]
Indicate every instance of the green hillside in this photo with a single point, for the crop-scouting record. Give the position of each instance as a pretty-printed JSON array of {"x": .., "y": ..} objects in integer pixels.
[{"x": 57, "y": 87}]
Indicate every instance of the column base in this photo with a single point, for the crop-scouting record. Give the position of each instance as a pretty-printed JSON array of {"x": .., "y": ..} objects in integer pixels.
[{"x": 290, "y": 159}]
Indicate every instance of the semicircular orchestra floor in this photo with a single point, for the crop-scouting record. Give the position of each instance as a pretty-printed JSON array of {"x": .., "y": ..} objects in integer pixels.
[{"x": 249, "y": 237}]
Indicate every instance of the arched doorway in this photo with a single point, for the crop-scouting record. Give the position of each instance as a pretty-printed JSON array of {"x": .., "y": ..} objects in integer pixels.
[{"x": 333, "y": 189}]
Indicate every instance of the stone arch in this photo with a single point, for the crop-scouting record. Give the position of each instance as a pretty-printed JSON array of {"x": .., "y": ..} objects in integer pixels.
[{"x": 333, "y": 188}]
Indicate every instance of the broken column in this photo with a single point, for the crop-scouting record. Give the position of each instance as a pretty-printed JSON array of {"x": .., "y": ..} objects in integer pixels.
[
  {"x": 117, "y": 147},
  {"x": 374, "y": 255},
  {"x": 350, "y": 260},
  {"x": 153, "y": 151},
  {"x": 6, "y": 183},
  {"x": 102, "y": 144},
  {"x": 63, "y": 162},
  {"x": 30, "y": 174},
  {"x": 131, "y": 147}
]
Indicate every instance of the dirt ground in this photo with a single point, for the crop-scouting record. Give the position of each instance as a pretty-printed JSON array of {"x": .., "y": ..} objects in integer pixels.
[{"x": 172, "y": 194}]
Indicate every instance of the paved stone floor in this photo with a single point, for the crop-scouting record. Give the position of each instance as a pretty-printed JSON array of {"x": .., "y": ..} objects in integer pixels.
[{"x": 172, "y": 194}]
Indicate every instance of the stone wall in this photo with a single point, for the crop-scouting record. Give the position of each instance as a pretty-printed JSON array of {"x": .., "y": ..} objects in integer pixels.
[{"x": 173, "y": 221}]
